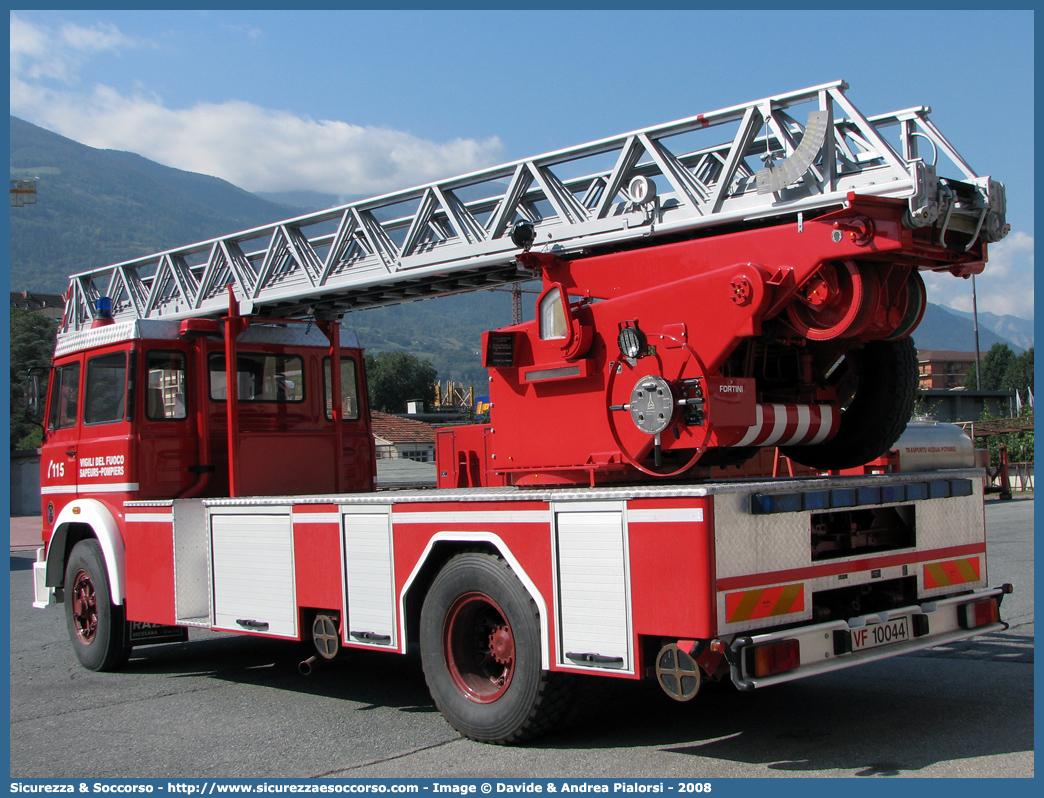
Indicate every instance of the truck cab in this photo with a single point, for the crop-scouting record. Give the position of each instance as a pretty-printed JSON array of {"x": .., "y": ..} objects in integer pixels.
[{"x": 140, "y": 410}]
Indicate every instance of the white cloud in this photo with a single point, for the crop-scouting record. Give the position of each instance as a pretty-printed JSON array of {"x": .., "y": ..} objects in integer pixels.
[
  {"x": 256, "y": 148},
  {"x": 43, "y": 52},
  {"x": 252, "y": 34},
  {"x": 95, "y": 39},
  {"x": 1005, "y": 286}
]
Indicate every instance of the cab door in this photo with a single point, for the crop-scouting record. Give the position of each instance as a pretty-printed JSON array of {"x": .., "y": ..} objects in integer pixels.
[
  {"x": 104, "y": 463},
  {"x": 168, "y": 457},
  {"x": 59, "y": 452}
]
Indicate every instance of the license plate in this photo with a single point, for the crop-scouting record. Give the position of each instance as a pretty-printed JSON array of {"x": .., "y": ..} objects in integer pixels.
[
  {"x": 880, "y": 634},
  {"x": 144, "y": 634}
]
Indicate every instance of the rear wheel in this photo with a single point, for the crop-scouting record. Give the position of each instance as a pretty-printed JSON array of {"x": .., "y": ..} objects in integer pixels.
[
  {"x": 95, "y": 623},
  {"x": 877, "y": 387},
  {"x": 480, "y": 647}
]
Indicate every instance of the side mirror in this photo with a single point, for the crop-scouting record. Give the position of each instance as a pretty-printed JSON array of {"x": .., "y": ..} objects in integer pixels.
[{"x": 33, "y": 408}]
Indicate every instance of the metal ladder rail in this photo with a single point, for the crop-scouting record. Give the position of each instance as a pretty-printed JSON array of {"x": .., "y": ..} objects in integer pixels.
[
  {"x": 226, "y": 255},
  {"x": 444, "y": 236}
]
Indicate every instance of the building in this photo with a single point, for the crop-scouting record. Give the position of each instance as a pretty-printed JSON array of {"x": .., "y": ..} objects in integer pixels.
[
  {"x": 946, "y": 393},
  {"x": 403, "y": 438},
  {"x": 943, "y": 369},
  {"x": 51, "y": 305},
  {"x": 961, "y": 405}
]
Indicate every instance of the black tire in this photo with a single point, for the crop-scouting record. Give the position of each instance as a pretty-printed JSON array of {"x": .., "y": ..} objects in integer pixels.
[
  {"x": 480, "y": 648},
  {"x": 880, "y": 383},
  {"x": 728, "y": 457},
  {"x": 96, "y": 625}
]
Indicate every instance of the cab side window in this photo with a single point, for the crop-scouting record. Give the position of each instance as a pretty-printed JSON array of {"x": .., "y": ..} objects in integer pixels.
[
  {"x": 65, "y": 395},
  {"x": 165, "y": 386},
  {"x": 349, "y": 390},
  {"x": 105, "y": 389},
  {"x": 260, "y": 378}
]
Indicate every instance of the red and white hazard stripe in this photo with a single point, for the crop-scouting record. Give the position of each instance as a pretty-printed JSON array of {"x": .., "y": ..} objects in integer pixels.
[{"x": 792, "y": 425}]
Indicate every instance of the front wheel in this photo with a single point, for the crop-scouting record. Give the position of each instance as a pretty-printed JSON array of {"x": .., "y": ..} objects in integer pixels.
[
  {"x": 95, "y": 623},
  {"x": 480, "y": 648}
]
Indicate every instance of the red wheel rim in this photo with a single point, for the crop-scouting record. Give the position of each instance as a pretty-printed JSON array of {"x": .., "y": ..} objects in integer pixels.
[
  {"x": 84, "y": 606},
  {"x": 480, "y": 647},
  {"x": 837, "y": 302},
  {"x": 916, "y": 304}
]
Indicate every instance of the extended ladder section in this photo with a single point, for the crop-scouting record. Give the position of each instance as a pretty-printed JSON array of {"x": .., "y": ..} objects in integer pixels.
[{"x": 780, "y": 156}]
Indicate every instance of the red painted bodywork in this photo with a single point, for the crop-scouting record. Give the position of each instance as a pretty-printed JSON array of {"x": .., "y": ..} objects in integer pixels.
[
  {"x": 149, "y": 548},
  {"x": 317, "y": 558},
  {"x": 710, "y": 308},
  {"x": 283, "y": 448},
  {"x": 659, "y": 552},
  {"x": 530, "y": 543}
]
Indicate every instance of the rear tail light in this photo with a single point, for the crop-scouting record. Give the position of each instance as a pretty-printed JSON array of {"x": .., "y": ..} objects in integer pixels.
[
  {"x": 771, "y": 658},
  {"x": 980, "y": 613}
]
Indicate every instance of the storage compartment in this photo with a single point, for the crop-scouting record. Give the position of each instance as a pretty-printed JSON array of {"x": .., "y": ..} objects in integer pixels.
[
  {"x": 253, "y": 568},
  {"x": 593, "y": 589},
  {"x": 369, "y": 578},
  {"x": 192, "y": 593}
]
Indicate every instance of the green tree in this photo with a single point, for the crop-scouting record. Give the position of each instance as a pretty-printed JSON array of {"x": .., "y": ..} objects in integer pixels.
[
  {"x": 395, "y": 378},
  {"x": 1018, "y": 376},
  {"x": 32, "y": 344},
  {"x": 992, "y": 368},
  {"x": 1020, "y": 444}
]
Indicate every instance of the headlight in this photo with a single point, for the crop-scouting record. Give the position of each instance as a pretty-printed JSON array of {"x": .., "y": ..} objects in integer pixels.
[{"x": 631, "y": 341}]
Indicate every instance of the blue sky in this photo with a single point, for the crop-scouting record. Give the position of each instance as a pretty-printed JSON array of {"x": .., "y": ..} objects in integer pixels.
[{"x": 353, "y": 102}]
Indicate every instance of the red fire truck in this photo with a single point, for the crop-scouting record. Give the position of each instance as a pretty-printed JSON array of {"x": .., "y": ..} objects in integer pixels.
[{"x": 741, "y": 279}]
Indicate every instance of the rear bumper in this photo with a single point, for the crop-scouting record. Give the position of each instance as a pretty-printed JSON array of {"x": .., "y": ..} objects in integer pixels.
[{"x": 822, "y": 646}]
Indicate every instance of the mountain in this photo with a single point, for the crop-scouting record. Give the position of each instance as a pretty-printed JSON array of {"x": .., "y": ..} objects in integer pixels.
[
  {"x": 942, "y": 329},
  {"x": 96, "y": 207},
  {"x": 447, "y": 331},
  {"x": 1018, "y": 331},
  {"x": 306, "y": 201}
]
